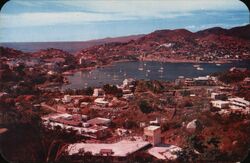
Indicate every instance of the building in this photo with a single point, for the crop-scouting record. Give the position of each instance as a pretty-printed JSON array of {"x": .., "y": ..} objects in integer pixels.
[
  {"x": 203, "y": 80},
  {"x": 128, "y": 83},
  {"x": 218, "y": 96},
  {"x": 66, "y": 98},
  {"x": 120, "y": 149},
  {"x": 81, "y": 60},
  {"x": 101, "y": 102},
  {"x": 237, "y": 69},
  {"x": 166, "y": 152},
  {"x": 220, "y": 104},
  {"x": 98, "y": 92},
  {"x": 153, "y": 134},
  {"x": 76, "y": 122},
  {"x": 155, "y": 122},
  {"x": 238, "y": 104},
  {"x": 99, "y": 121}
]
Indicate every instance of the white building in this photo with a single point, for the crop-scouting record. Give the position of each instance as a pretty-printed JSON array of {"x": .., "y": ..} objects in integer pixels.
[
  {"x": 98, "y": 92},
  {"x": 239, "y": 104},
  {"x": 167, "y": 152},
  {"x": 101, "y": 102},
  {"x": 66, "y": 98},
  {"x": 153, "y": 134},
  {"x": 218, "y": 95},
  {"x": 127, "y": 82},
  {"x": 220, "y": 104}
]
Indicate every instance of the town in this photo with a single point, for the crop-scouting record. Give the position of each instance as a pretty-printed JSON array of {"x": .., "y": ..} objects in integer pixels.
[
  {"x": 180, "y": 120},
  {"x": 202, "y": 115}
]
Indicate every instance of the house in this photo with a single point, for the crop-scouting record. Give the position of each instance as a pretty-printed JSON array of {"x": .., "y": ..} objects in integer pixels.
[
  {"x": 106, "y": 152},
  {"x": 75, "y": 122},
  {"x": 238, "y": 104},
  {"x": 98, "y": 92},
  {"x": 203, "y": 80},
  {"x": 120, "y": 149},
  {"x": 238, "y": 69},
  {"x": 66, "y": 98},
  {"x": 218, "y": 96},
  {"x": 246, "y": 81},
  {"x": 99, "y": 121},
  {"x": 165, "y": 152},
  {"x": 101, "y": 102},
  {"x": 155, "y": 122},
  {"x": 84, "y": 104},
  {"x": 128, "y": 82},
  {"x": 220, "y": 104},
  {"x": 153, "y": 134}
]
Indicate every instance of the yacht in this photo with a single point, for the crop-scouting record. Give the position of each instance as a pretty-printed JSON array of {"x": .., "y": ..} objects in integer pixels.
[
  {"x": 196, "y": 66},
  {"x": 200, "y": 68},
  {"x": 140, "y": 68},
  {"x": 160, "y": 70}
]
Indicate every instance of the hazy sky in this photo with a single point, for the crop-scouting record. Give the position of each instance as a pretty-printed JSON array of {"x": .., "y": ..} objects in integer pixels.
[{"x": 79, "y": 20}]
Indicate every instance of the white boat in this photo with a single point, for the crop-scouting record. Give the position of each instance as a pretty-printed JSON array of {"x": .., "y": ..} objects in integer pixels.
[
  {"x": 140, "y": 68},
  {"x": 218, "y": 64},
  {"x": 196, "y": 66},
  {"x": 148, "y": 70},
  {"x": 200, "y": 68},
  {"x": 161, "y": 70}
]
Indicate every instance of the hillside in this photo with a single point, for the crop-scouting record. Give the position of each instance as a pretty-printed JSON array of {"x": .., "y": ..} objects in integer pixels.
[
  {"x": 214, "y": 44},
  {"x": 70, "y": 46}
]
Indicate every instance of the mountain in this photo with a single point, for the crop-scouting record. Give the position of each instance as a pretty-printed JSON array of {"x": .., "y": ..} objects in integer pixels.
[
  {"x": 70, "y": 46},
  {"x": 240, "y": 32},
  {"x": 9, "y": 52},
  {"x": 212, "y": 44}
]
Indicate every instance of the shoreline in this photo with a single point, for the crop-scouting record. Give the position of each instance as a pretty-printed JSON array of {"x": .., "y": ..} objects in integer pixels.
[{"x": 71, "y": 72}]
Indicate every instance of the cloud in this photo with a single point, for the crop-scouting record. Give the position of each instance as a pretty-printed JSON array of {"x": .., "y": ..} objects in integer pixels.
[
  {"x": 71, "y": 18},
  {"x": 30, "y": 3},
  {"x": 108, "y": 10},
  {"x": 153, "y": 6}
]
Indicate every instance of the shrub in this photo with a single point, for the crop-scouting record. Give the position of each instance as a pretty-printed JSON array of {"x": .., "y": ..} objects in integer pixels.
[{"x": 145, "y": 107}]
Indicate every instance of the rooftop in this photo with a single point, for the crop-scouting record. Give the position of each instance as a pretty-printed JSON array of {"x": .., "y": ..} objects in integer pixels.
[
  {"x": 120, "y": 149},
  {"x": 152, "y": 128},
  {"x": 99, "y": 120},
  {"x": 164, "y": 152}
]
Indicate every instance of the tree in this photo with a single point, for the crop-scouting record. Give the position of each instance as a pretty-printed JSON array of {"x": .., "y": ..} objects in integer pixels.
[
  {"x": 89, "y": 91},
  {"x": 145, "y": 107},
  {"x": 113, "y": 90}
]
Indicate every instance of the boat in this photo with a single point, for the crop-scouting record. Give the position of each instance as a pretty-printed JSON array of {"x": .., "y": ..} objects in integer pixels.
[
  {"x": 148, "y": 70},
  {"x": 196, "y": 66},
  {"x": 200, "y": 68},
  {"x": 140, "y": 68},
  {"x": 218, "y": 64},
  {"x": 160, "y": 70}
]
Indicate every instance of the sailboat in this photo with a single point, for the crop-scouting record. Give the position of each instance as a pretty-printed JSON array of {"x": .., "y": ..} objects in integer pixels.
[
  {"x": 196, "y": 66},
  {"x": 161, "y": 68},
  {"x": 140, "y": 67},
  {"x": 200, "y": 68}
]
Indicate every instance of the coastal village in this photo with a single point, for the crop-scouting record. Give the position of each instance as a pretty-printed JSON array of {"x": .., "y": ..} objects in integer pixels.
[
  {"x": 189, "y": 119},
  {"x": 120, "y": 141}
]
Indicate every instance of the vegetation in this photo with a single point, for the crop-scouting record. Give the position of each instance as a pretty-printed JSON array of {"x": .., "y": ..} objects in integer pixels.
[
  {"x": 145, "y": 107},
  {"x": 112, "y": 89}
]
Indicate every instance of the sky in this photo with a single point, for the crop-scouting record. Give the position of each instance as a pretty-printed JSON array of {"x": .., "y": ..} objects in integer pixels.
[{"x": 81, "y": 20}]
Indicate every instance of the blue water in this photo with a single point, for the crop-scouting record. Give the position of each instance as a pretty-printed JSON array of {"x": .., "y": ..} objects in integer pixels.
[{"x": 116, "y": 73}]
